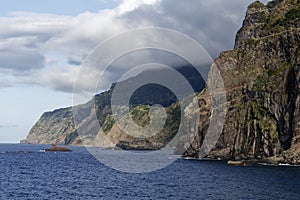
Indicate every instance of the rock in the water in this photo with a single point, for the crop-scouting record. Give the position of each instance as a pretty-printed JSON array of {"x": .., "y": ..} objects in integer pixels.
[{"x": 56, "y": 148}]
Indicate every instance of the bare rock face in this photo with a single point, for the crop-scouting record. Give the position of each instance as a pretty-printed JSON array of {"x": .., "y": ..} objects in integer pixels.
[
  {"x": 55, "y": 127},
  {"x": 261, "y": 77},
  {"x": 256, "y": 18}
]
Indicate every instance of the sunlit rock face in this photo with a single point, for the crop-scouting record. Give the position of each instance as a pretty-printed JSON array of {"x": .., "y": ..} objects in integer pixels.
[{"x": 261, "y": 76}]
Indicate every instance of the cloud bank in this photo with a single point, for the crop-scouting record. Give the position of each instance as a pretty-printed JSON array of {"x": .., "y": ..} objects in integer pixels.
[{"x": 47, "y": 50}]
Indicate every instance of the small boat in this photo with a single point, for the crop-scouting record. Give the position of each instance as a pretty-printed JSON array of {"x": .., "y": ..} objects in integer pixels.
[{"x": 56, "y": 148}]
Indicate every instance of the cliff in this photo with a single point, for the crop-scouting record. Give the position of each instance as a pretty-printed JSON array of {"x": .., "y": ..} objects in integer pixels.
[
  {"x": 58, "y": 127},
  {"x": 261, "y": 77},
  {"x": 55, "y": 127}
]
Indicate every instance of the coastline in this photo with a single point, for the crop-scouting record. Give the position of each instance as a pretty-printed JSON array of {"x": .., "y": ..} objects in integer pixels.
[{"x": 272, "y": 161}]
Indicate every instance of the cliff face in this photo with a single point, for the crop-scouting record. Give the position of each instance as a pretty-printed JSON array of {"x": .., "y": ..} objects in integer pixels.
[
  {"x": 261, "y": 77},
  {"x": 59, "y": 127},
  {"x": 53, "y": 127}
]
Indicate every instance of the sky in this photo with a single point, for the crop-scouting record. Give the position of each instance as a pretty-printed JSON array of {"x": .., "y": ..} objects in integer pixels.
[{"x": 44, "y": 42}]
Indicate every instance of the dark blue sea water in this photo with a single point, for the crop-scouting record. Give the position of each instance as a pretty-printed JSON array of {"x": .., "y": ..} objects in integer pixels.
[{"x": 27, "y": 173}]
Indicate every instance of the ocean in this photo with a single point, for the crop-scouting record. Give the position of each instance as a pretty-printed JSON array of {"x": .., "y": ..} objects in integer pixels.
[{"x": 28, "y": 173}]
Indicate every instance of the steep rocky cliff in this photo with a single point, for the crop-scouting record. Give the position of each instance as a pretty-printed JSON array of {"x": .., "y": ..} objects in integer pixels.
[
  {"x": 261, "y": 77},
  {"x": 53, "y": 127},
  {"x": 58, "y": 126}
]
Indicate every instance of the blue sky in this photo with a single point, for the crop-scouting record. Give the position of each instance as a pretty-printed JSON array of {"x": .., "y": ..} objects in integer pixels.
[
  {"x": 22, "y": 105},
  {"x": 44, "y": 42},
  {"x": 65, "y": 7}
]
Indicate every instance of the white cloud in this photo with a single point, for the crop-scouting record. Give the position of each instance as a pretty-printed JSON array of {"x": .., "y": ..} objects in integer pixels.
[
  {"x": 47, "y": 49},
  {"x": 130, "y": 5}
]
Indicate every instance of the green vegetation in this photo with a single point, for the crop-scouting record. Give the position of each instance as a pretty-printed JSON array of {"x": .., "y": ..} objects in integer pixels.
[
  {"x": 267, "y": 123},
  {"x": 278, "y": 71},
  {"x": 140, "y": 115},
  {"x": 264, "y": 119},
  {"x": 282, "y": 22},
  {"x": 256, "y": 4},
  {"x": 297, "y": 52},
  {"x": 268, "y": 77},
  {"x": 252, "y": 42},
  {"x": 273, "y": 3},
  {"x": 108, "y": 124},
  {"x": 262, "y": 81}
]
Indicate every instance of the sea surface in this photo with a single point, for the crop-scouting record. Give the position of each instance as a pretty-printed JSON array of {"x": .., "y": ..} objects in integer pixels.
[{"x": 28, "y": 173}]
